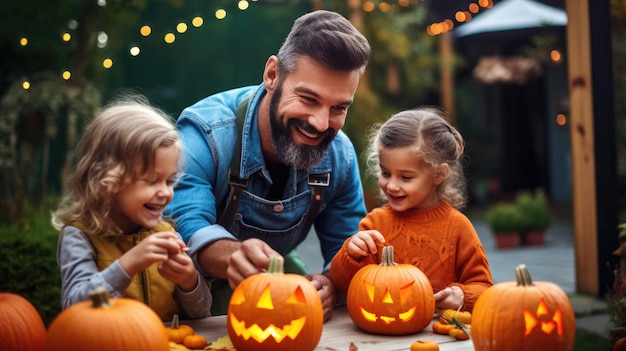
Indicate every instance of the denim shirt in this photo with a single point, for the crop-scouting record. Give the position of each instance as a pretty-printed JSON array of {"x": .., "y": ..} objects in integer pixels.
[{"x": 208, "y": 132}]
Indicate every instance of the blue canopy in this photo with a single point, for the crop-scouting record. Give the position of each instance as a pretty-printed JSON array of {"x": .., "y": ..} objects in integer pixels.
[{"x": 513, "y": 14}]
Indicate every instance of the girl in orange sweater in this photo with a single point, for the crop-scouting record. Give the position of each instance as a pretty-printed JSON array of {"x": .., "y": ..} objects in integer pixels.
[{"x": 417, "y": 157}]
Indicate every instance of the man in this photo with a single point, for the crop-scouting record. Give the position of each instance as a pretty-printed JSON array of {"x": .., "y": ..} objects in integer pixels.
[{"x": 292, "y": 167}]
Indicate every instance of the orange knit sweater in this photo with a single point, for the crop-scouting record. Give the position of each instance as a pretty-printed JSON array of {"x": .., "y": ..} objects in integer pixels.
[{"x": 440, "y": 241}]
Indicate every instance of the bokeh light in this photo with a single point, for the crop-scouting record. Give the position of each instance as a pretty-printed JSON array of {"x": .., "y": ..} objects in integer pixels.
[
  {"x": 145, "y": 30},
  {"x": 220, "y": 14},
  {"x": 197, "y": 21},
  {"x": 169, "y": 38}
]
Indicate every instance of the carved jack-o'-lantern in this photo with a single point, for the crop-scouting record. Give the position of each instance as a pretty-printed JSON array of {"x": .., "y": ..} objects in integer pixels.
[
  {"x": 523, "y": 316},
  {"x": 275, "y": 311},
  {"x": 390, "y": 298}
]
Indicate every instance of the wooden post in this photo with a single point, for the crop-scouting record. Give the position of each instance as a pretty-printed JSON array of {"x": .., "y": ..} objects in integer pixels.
[
  {"x": 594, "y": 213},
  {"x": 447, "y": 75}
]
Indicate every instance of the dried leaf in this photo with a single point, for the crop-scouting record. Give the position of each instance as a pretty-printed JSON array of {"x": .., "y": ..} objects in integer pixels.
[{"x": 353, "y": 347}]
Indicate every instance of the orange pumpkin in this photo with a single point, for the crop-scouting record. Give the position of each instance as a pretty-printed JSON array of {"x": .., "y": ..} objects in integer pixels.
[
  {"x": 275, "y": 311},
  {"x": 464, "y": 317},
  {"x": 390, "y": 298},
  {"x": 195, "y": 341},
  {"x": 442, "y": 328},
  {"x": 425, "y": 345},
  {"x": 105, "y": 324},
  {"x": 177, "y": 332},
  {"x": 523, "y": 316},
  {"x": 620, "y": 344},
  {"x": 22, "y": 328}
]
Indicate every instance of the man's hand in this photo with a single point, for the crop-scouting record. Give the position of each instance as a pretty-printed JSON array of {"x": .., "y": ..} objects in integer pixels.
[
  {"x": 252, "y": 257},
  {"x": 326, "y": 290}
]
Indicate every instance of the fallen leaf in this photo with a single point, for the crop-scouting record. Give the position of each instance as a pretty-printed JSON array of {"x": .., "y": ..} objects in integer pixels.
[
  {"x": 221, "y": 344},
  {"x": 353, "y": 347}
]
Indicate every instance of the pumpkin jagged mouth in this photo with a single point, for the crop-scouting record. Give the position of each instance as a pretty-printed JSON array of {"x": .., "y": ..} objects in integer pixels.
[
  {"x": 404, "y": 317},
  {"x": 290, "y": 330}
]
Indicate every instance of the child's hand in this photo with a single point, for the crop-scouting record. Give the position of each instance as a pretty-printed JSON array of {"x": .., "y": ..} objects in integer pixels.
[
  {"x": 449, "y": 298},
  {"x": 154, "y": 248},
  {"x": 179, "y": 269},
  {"x": 364, "y": 242}
]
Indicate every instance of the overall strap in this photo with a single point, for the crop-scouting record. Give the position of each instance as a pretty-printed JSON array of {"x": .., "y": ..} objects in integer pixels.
[
  {"x": 237, "y": 184},
  {"x": 317, "y": 182}
]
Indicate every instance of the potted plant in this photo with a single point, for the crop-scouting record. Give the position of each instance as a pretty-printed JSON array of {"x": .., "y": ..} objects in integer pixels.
[
  {"x": 535, "y": 213},
  {"x": 505, "y": 222}
]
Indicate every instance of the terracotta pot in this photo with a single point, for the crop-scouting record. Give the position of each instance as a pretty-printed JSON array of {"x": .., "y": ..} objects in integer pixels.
[
  {"x": 506, "y": 240},
  {"x": 533, "y": 237}
]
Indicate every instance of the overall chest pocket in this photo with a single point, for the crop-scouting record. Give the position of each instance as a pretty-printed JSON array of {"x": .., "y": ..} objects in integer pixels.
[{"x": 278, "y": 223}]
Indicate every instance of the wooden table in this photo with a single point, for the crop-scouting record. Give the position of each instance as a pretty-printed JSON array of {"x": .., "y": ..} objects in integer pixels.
[{"x": 340, "y": 331}]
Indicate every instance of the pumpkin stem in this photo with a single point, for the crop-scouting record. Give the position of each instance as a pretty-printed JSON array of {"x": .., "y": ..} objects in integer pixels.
[
  {"x": 523, "y": 276},
  {"x": 275, "y": 266},
  {"x": 175, "y": 321},
  {"x": 100, "y": 297},
  {"x": 387, "y": 256}
]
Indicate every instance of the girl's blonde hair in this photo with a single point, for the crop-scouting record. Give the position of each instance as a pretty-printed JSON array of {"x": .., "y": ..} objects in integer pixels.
[
  {"x": 118, "y": 145},
  {"x": 433, "y": 139}
]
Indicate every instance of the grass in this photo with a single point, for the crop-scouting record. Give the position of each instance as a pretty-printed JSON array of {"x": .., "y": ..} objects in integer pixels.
[{"x": 589, "y": 341}]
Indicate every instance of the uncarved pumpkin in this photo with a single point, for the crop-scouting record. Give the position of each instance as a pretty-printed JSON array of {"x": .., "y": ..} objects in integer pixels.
[
  {"x": 390, "y": 298},
  {"x": 524, "y": 316},
  {"x": 21, "y": 326},
  {"x": 275, "y": 311},
  {"x": 106, "y": 324}
]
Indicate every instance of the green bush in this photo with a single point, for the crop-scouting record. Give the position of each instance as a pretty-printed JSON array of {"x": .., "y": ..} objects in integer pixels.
[
  {"x": 28, "y": 264},
  {"x": 534, "y": 209},
  {"x": 504, "y": 218}
]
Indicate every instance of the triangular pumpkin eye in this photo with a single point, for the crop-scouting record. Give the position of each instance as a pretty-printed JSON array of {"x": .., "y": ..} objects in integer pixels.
[
  {"x": 297, "y": 297},
  {"x": 265, "y": 301},
  {"x": 369, "y": 288},
  {"x": 405, "y": 292}
]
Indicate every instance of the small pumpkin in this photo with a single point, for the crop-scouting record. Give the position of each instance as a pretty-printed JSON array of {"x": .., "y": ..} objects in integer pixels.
[
  {"x": 177, "y": 332},
  {"x": 21, "y": 326},
  {"x": 458, "y": 334},
  {"x": 275, "y": 311},
  {"x": 464, "y": 317},
  {"x": 522, "y": 315},
  {"x": 424, "y": 345},
  {"x": 195, "y": 341},
  {"x": 105, "y": 324},
  {"x": 390, "y": 298},
  {"x": 442, "y": 328}
]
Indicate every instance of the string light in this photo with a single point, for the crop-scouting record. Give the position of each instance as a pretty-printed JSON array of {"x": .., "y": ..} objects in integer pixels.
[
  {"x": 197, "y": 21},
  {"x": 243, "y": 5},
  {"x": 181, "y": 27},
  {"x": 134, "y": 50},
  {"x": 169, "y": 38},
  {"x": 145, "y": 30},
  {"x": 461, "y": 16},
  {"x": 220, "y": 14}
]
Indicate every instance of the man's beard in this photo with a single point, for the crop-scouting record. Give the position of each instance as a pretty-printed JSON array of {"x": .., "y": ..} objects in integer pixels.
[{"x": 290, "y": 153}]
